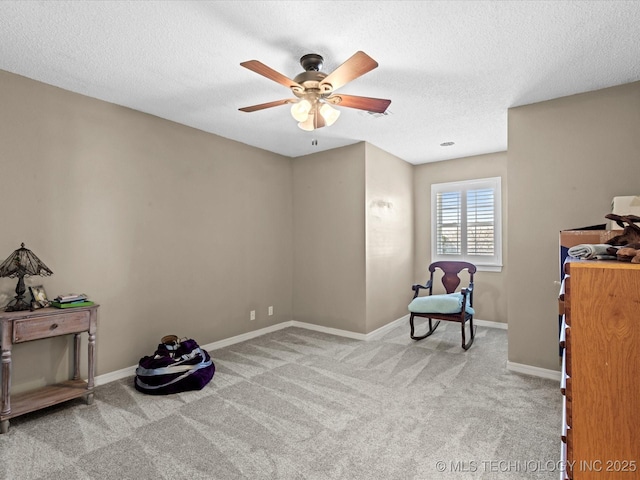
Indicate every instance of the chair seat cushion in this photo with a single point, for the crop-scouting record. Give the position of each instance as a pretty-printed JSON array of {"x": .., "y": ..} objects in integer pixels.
[{"x": 446, "y": 303}]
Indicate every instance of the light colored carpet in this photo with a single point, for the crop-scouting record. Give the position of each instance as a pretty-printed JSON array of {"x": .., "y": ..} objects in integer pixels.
[{"x": 299, "y": 404}]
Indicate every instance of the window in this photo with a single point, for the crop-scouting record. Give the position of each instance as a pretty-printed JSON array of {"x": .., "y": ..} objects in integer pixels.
[{"x": 465, "y": 222}]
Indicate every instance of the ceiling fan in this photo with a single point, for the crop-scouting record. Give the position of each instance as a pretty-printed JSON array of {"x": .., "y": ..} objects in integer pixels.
[{"x": 315, "y": 91}]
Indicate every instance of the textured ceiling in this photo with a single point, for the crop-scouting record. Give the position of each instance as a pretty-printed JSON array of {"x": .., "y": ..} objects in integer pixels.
[{"x": 451, "y": 69}]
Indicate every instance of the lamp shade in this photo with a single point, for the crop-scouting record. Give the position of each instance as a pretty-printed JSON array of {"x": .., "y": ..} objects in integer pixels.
[{"x": 23, "y": 262}]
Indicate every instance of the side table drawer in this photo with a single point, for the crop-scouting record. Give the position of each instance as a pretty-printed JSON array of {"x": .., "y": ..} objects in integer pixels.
[{"x": 50, "y": 326}]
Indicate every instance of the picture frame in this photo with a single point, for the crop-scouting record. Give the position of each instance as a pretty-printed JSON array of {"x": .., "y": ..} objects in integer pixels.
[{"x": 40, "y": 299}]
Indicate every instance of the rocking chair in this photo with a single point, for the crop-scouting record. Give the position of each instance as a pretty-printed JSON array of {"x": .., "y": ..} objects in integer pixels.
[{"x": 452, "y": 306}]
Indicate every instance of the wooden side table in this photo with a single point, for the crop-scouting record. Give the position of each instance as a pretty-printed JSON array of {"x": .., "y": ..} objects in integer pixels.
[{"x": 18, "y": 327}]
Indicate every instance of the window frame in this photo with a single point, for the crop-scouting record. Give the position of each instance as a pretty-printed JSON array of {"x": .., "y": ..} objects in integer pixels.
[{"x": 483, "y": 263}]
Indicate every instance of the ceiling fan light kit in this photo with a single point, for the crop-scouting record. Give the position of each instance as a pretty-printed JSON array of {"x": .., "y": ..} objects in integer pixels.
[
  {"x": 314, "y": 90},
  {"x": 304, "y": 110}
]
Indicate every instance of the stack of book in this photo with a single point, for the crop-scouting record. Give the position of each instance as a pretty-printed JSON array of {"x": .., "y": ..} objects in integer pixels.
[{"x": 71, "y": 300}]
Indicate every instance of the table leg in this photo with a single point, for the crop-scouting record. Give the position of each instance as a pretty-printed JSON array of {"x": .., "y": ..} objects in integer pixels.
[
  {"x": 76, "y": 356},
  {"x": 92, "y": 360},
  {"x": 5, "y": 403},
  {"x": 6, "y": 383}
]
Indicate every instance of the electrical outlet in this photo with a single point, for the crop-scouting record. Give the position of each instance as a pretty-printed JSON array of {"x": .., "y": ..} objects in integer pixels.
[
  {"x": 252, "y": 315},
  {"x": 271, "y": 310}
]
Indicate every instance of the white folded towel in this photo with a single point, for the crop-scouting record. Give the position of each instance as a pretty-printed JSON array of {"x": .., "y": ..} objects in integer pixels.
[{"x": 588, "y": 251}]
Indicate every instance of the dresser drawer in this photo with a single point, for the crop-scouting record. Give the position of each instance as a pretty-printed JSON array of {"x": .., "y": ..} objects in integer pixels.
[{"x": 50, "y": 326}]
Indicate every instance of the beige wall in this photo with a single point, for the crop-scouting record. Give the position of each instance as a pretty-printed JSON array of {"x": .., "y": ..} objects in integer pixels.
[
  {"x": 173, "y": 230},
  {"x": 329, "y": 238},
  {"x": 389, "y": 237},
  {"x": 353, "y": 242},
  {"x": 567, "y": 159},
  {"x": 170, "y": 229},
  {"x": 490, "y": 295}
]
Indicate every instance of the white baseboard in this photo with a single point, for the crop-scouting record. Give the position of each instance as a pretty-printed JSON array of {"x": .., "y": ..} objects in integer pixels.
[
  {"x": 246, "y": 336},
  {"x": 117, "y": 375},
  {"x": 328, "y": 330},
  {"x": 382, "y": 331},
  {"x": 378, "y": 333},
  {"x": 490, "y": 324},
  {"x": 535, "y": 371},
  {"x": 130, "y": 371},
  {"x": 348, "y": 334}
]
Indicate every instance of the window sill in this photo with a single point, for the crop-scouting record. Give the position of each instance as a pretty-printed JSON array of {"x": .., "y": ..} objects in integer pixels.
[{"x": 489, "y": 268}]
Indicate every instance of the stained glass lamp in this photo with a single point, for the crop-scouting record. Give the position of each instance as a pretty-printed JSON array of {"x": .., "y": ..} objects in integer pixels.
[{"x": 22, "y": 263}]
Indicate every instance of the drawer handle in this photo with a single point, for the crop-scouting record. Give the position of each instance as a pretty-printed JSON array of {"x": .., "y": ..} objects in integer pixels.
[{"x": 54, "y": 326}]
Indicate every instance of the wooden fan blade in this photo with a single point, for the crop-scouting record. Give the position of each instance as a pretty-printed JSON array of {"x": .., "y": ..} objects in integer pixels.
[
  {"x": 377, "y": 105},
  {"x": 356, "y": 66},
  {"x": 262, "y": 106},
  {"x": 270, "y": 73}
]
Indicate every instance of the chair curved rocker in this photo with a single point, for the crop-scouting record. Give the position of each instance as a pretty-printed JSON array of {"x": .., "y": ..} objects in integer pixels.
[{"x": 452, "y": 306}]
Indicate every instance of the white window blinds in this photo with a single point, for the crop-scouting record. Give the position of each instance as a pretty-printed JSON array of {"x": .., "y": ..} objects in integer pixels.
[
  {"x": 466, "y": 222},
  {"x": 449, "y": 223}
]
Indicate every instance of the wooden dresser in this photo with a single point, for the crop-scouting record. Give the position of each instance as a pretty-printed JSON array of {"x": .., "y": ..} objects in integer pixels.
[
  {"x": 18, "y": 327},
  {"x": 601, "y": 371}
]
